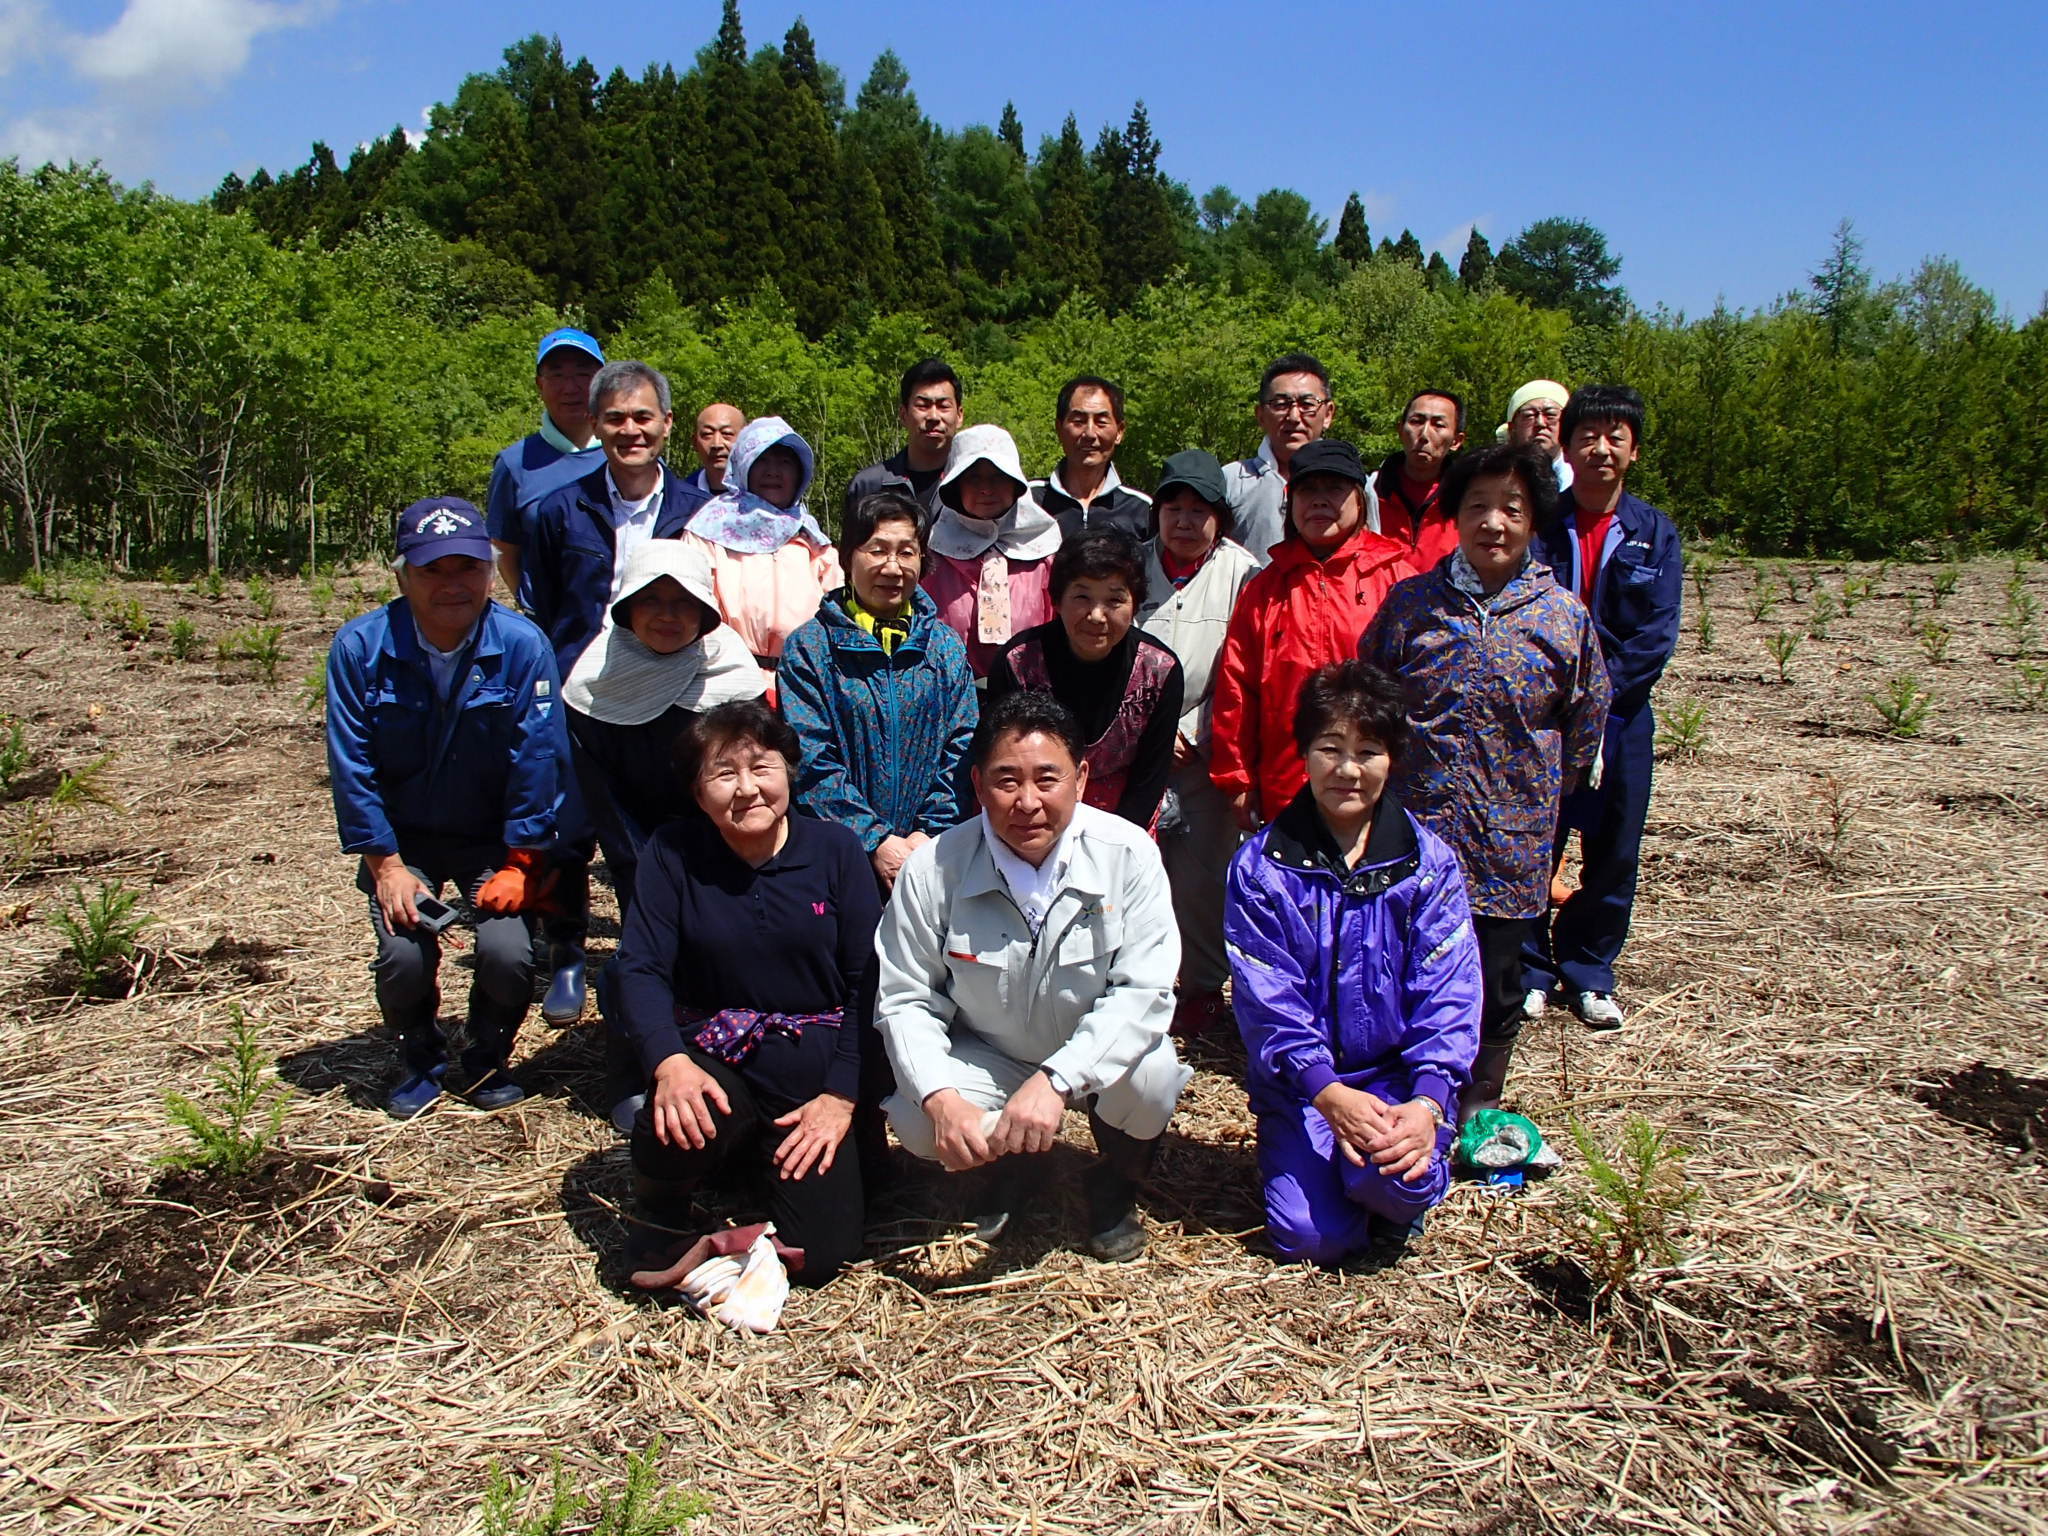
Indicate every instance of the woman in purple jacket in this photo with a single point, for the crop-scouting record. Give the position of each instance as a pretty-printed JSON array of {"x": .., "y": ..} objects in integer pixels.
[{"x": 1355, "y": 979}]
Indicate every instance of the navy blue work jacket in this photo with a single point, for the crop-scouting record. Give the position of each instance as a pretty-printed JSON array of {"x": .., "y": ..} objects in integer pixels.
[
  {"x": 1636, "y": 596},
  {"x": 567, "y": 570},
  {"x": 482, "y": 767}
]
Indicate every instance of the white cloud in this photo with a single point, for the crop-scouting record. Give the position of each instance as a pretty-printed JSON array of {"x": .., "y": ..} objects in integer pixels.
[
  {"x": 1452, "y": 241},
  {"x": 23, "y": 26},
  {"x": 172, "y": 47},
  {"x": 53, "y": 138}
]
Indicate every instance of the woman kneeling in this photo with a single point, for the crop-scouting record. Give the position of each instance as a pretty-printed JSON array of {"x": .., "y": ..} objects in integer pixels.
[
  {"x": 745, "y": 985},
  {"x": 1355, "y": 983}
]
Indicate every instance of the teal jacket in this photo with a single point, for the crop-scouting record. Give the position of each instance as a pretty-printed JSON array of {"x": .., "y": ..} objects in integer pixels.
[{"x": 884, "y": 737}]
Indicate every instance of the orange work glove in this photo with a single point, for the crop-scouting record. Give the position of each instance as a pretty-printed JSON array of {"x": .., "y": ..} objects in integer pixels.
[{"x": 523, "y": 885}]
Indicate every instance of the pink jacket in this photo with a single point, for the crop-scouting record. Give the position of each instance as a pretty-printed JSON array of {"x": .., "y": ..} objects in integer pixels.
[
  {"x": 954, "y": 585},
  {"x": 766, "y": 598}
]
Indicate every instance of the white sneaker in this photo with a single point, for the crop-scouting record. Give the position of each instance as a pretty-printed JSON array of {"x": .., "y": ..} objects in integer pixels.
[
  {"x": 1535, "y": 1003},
  {"x": 1598, "y": 1011}
]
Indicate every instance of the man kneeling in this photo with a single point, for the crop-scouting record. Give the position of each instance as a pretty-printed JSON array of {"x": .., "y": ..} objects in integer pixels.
[{"x": 1027, "y": 965}]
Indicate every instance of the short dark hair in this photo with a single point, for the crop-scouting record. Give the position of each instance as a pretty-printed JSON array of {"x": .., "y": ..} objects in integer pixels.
[
  {"x": 869, "y": 513},
  {"x": 1029, "y": 713},
  {"x": 1083, "y": 381},
  {"x": 1293, "y": 362},
  {"x": 932, "y": 370},
  {"x": 1457, "y": 405},
  {"x": 1094, "y": 556},
  {"x": 1532, "y": 464},
  {"x": 1352, "y": 693},
  {"x": 1603, "y": 402},
  {"x": 720, "y": 726}
]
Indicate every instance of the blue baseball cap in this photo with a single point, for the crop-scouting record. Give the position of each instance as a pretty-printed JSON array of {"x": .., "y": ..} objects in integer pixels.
[
  {"x": 567, "y": 336},
  {"x": 441, "y": 525}
]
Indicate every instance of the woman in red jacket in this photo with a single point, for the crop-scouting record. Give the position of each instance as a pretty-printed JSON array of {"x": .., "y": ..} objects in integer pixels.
[{"x": 1305, "y": 610}]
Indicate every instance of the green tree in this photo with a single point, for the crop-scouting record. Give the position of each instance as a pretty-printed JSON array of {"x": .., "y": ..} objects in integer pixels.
[
  {"x": 1564, "y": 264},
  {"x": 1354, "y": 237},
  {"x": 1137, "y": 218},
  {"x": 1067, "y": 256},
  {"x": 1011, "y": 130},
  {"x": 1475, "y": 267}
]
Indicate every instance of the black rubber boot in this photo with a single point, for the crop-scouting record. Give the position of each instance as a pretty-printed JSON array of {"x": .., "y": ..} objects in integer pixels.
[
  {"x": 486, "y": 1073},
  {"x": 660, "y": 1220},
  {"x": 1489, "y": 1077},
  {"x": 998, "y": 1194},
  {"x": 1116, "y": 1232}
]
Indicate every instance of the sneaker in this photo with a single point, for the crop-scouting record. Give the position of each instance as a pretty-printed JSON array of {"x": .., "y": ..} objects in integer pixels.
[
  {"x": 1535, "y": 1003},
  {"x": 414, "y": 1093},
  {"x": 1598, "y": 1011}
]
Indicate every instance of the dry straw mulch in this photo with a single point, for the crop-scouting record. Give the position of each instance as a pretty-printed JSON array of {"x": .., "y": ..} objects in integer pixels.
[{"x": 1835, "y": 929}]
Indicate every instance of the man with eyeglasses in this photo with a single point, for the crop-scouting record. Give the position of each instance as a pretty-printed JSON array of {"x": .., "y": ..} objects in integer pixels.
[
  {"x": 928, "y": 404},
  {"x": 1534, "y": 411},
  {"x": 1294, "y": 409}
]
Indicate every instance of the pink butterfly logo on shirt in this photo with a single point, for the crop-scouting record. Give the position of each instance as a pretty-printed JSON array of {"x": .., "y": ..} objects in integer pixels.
[{"x": 818, "y": 907}]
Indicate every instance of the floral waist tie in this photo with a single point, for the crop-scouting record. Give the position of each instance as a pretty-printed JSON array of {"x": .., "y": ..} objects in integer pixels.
[{"x": 734, "y": 1034}]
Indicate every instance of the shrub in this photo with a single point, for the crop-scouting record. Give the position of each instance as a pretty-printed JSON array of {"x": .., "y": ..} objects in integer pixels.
[
  {"x": 129, "y": 619},
  {"x": 185, "y": 638},
  {"x": 1763, "y": 598},
  {"x": 14, "y": 754},
  {"x": 1706, "y": 627},
  {"x": 1854, "y": 590},
  {"x": 263, "y": 596},
  {"x": 252, "y": 1110},
  {"x": 1819, "y": 615},
  {"x": 1628, "y": 1219},
  {"x": 2020, "y": 609},
  {"x": 99, "y": 930},
  {"x": 642, "y": 1508},
  {"x": 1781, "y": 646},
  {"x": 213, "y": 584},
  {"x": 85, "y": 786},
  {"x": 1934, "y": 639},
  {"x": 262, "y": 644},
  {"x": 1684, "y": 729},
  {"x": 1946, "y": 580},
  {"x": 1902, "y": 705},
  {"x": 2030, "y": 685},
  {"x": 321, "y": 591},
  {"x": 313, "y": 690}
]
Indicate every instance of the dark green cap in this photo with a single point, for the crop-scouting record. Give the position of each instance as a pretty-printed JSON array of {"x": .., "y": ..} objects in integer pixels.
[{"x": 1196, "y": 470}]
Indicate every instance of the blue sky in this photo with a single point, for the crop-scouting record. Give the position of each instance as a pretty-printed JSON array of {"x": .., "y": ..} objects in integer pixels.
[{"x": 1717, "y": 145}]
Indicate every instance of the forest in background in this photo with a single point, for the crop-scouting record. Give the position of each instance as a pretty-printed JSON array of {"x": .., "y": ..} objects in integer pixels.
[{"x": 264, "y": 376}]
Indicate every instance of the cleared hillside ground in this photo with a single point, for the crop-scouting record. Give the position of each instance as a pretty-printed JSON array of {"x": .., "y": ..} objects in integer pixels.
[{"x": 1835, "y": 929}]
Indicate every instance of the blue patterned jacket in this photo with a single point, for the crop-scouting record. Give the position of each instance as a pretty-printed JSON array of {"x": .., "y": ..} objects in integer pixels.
[
  {"x": 884, "y": 737},
  {"x": 1507, "y": 697}
]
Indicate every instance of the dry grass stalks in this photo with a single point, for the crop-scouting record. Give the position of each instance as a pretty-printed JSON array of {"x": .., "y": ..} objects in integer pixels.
[{"x": 1831, "y": 926}]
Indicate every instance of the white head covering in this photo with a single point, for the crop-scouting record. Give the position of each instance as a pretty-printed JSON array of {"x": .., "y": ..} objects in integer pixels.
[
  {"x": 620, "y": 681},
  {"x": 1025, "y": 532},
  {"x": 1535, "y": 389}
]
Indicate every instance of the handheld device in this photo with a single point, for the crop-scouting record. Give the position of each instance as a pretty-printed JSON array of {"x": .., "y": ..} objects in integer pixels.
[{"x": 434, "y": 913}]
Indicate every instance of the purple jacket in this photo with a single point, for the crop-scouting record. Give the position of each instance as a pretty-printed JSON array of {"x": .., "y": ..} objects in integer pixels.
[
  {"x": 1366, "y": 976},
  {"x": 1507, "y": 697}
]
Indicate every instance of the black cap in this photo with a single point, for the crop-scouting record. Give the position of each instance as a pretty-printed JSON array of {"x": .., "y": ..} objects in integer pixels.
[
  {"x": 1196, "y": 470},
  {"x": 1327, "y": 456}
]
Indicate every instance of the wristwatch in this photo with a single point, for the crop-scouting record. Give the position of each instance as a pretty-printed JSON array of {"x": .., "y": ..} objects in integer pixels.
[{"x": 1436, "y": 1110}]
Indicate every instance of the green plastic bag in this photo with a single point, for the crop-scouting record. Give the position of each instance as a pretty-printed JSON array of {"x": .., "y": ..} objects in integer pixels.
[{"x": 1497, "y": 1138}]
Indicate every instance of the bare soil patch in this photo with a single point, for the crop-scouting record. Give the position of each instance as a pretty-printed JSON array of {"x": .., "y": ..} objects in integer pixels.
[{"x": 1835, "y": 989}]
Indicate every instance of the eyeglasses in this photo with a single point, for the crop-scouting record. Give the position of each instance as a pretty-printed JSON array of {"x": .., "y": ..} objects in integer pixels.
[
  {"x": 1538, "y": 413},
  {"x": 1287, "y": 405}
]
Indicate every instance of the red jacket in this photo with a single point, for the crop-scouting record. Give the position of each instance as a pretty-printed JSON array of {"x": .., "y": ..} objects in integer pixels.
[
  {"x": 1430, "y": 532},
  {"x": 1298, "y": 614}
]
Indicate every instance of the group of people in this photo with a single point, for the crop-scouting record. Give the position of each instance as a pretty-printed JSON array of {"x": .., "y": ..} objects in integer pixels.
[{"x": 954, "y": 822}]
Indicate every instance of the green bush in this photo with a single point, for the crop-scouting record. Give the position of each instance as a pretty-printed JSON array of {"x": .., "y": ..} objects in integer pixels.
[
  {"x": 263, "y": 596},
  {"x": 1819, "y": 614},
  {"x": 253, "y": 1105},
  {"x": 313, "y": 690},
  {"x": 1934, "y": 639},
  {"x": 14, "y": 754},
  {"x": 99, "y": 930},
  {"x": 1631, "y": 1215},
  {"x": 85, "y": 786},
  {"x": 186, "y": 641},
  {"x": 261, "y": 644},
  {"x": 1683, "y": 729},
  {"x": 1903, "y": 705},
  {"x": 642, "y": 1507},
  {"x": 129, "y": 619},
  {"x": 1781, "y": 646}
]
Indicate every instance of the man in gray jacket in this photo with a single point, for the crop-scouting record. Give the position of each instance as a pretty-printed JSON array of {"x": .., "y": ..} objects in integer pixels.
[{"x": 1027, "y": 966}]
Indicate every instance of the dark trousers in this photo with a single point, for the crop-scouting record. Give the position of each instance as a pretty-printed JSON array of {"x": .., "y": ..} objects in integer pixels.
[
  {"x": 407, "y": 965},
  {"x": 1580, "y": 941},
  {"x": 1500, "y": 976},
  {"x": 574, "y": 846},
  {"x": 825, "y": 1214}
]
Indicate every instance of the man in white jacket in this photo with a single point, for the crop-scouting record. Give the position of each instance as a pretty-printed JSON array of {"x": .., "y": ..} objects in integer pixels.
[{"x": 1027, "y": 966}]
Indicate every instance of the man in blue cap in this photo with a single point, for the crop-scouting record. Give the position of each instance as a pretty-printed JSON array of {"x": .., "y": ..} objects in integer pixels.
[
  {"x": 564, "y": 450},
  {"x": 443, "y": 748}
]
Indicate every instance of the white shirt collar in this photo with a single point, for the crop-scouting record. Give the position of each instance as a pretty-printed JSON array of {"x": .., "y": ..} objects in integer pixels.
[
  {"x": 1033, "y": 889},
  {"x": 1110, "y": 482},
  {"x": 624, "y": 509},
  {"x": 1265, "y": 454}
]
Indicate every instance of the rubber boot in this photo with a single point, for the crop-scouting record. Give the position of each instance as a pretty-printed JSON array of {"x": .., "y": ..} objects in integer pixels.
[
  {"x": 660, "y": 1221},
  {"x": 423, "y": 1053},
  {"x": 998, "y": 1193},
  {"x": 1489, "y": 1077},
  {"x": 486, "y": 1072},
  {"x": 567, "y": 990},
  {"x": 1116, "y": 1232}
]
